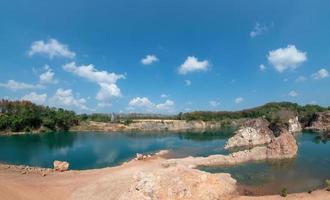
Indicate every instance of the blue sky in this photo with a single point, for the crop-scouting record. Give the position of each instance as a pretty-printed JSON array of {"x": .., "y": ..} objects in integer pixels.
[{"x": 164, "y": 56}]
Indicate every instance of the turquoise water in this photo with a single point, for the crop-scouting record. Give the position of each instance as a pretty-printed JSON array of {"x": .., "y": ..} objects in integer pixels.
[
  {"x": 97, "y": 150},
  {"x": 306, "y": 172}
]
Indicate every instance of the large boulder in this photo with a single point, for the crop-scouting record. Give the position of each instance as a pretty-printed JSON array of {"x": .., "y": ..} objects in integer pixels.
[
  {"x": 320, "y": 122},
  {"x": 252, "y": 132},
  {"x": 61, "y": 165},
  {"x": 180, "y": 183}
]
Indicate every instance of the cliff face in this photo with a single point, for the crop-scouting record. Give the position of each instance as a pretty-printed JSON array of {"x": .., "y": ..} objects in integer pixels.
[
  {"x": 252, "y": 132},
  {"x": 148, "y": 125},
  {"x": 294, "y": 125},
  {"x": 321, "y": 122},
  {"x": 172, "y": 125}
]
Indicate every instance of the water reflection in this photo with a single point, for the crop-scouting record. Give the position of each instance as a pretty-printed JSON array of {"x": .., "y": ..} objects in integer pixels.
[{"x": 95, "y": 150}]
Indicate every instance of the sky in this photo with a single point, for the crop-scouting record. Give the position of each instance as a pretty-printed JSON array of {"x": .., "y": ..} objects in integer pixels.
[{"x": 164, "y": 56}]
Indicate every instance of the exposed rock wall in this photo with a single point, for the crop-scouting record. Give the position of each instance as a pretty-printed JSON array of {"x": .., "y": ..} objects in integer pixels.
[
  {"x": 321, "y": 122},
  {"x": 149, "y": 125},
  {"x": 252, "y": 132},
  {"x": 294, "y": 125}
]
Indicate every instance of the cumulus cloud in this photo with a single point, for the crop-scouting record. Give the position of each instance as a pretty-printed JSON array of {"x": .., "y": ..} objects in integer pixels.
[
  {"x": 191, "y": 64},
  {"x": 321, "y": 74},
  {"x": 214, "y": 103},
  {"x": 293, "y": 93},
  {"x": 239, "y": 100},
  {"x": 258, "y": 30},
  {"x": 187, "y": 82},
  {"x": 149, "y": 59},
  {"x": 286, "y": 58},
  {"x": 164, "y": 96},
  {"x": 47, "y": 76},
  {"x": 146, "y": 105},
  {"x": 51, "y": 48},
  {"x": 65, "y": 98},
  {"x": 262, "y": 67},
  {"x": 35, "y": 98},
  {"x": 301, "y": 79},
  {"x": 107, "y": 81},
  {"x": 15, "y": 85}
]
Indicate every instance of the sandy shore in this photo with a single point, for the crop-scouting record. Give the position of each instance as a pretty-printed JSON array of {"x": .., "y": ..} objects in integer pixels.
[{"x": 116, "y": 183}]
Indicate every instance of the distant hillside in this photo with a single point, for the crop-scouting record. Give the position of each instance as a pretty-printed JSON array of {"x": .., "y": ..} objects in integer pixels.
[
  {"x": 16, "y": 116},
  {"x": 271, "y": 111}
]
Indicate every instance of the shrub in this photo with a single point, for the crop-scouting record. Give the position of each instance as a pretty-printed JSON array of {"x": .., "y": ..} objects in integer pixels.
[
  {"x": 327, "y": 182},
  {"x": 284, "y": 192}
]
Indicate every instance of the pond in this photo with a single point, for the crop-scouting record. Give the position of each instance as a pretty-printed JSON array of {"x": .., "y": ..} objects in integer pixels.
[{"x": 89, "y": 150}]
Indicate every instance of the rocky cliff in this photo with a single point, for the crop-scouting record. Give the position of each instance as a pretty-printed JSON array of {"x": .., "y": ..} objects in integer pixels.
[
  {"x": 252, "y": 132},
  {"x": 320, "y": 122},
  {"x": 281, "y": 147},
  {"x": 149, "y": 125},
  {"x": 294, "y": 125}
]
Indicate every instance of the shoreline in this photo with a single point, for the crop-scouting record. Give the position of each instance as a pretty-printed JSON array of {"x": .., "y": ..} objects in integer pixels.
[{"x": 74, "y": 184}]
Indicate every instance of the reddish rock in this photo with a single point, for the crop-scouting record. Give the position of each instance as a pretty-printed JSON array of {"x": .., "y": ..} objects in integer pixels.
[{"x": 61, "y": 165}]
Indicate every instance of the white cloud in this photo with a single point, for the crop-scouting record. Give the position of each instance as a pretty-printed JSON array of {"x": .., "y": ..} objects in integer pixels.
[
  {"x": 239, "y": 100},
  {"x": 214, "y": 103},
  {"x": 104, "y": 105},
  {"x": 106, "y": 81},
  {"x": 187, "y": 82},
  {"x": 191, "y": 64},
  {"x": 166, "y": 106},
  {"x": 149, "y": 59},
  {"x": 65, "y": 98},
  {"x": 164, "y": 96},
  {"x": 286, "y": 58},
  {"x": 321, "y": 74},
  {"x": 140, "y": 102},
  {"x": 51, "y": 48},
  {"x": 293, "y": 93},
  {"x": 48, "y": 76},
  {"x": 262, "y": 67},
  {"x": 148, "y": 106},
  {"x": 15, "y": 85},
  {"x": 301, "y": 79},
  {"x": 35, "y": 98},
  {"x": 258, "y": 30}
]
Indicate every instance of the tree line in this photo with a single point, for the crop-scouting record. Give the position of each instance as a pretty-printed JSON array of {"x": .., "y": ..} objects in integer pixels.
[{"x": 25, "y": 116}]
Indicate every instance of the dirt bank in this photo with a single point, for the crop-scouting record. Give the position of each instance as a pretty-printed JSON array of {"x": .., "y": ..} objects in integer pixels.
[{"x": 137, "y": 179}]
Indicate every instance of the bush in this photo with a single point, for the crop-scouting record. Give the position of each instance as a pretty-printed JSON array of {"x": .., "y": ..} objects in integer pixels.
[
  {"x": 284, "y": 192},
  {"x": 327, "y": 182}
]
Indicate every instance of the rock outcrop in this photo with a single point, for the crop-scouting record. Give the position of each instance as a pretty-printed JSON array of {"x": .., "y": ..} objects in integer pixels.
[
  {"x": 294, "y": 125},
  {"x": 61, "y": 165},
  {"x": 320, "y": 122},
  {"x": 180, "y": 183},
  {"x": 252, "y": 132},
  {"x": 284, "y": 146},
  {"x": 281, "y": 147}
]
